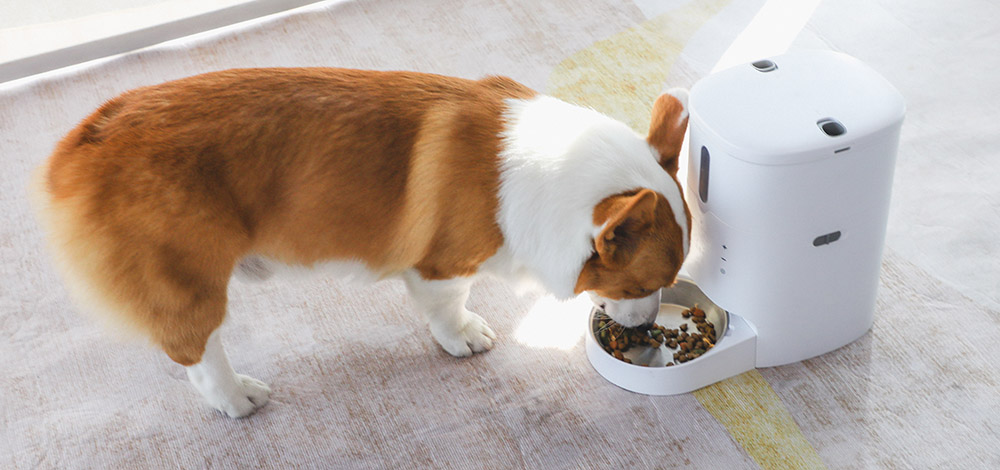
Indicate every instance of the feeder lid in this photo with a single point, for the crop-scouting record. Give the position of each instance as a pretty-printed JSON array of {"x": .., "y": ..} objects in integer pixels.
[{"x": 794, "y": 108}]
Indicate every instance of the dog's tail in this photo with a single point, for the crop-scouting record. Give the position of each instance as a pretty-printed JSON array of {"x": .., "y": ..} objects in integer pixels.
[{"x": 143, "y": 252}]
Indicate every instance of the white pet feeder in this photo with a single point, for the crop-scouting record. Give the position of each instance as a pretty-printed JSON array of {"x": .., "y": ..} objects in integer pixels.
[{"x": 789, "y": 178}]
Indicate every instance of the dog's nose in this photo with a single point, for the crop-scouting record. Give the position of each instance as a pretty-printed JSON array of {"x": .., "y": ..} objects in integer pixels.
[{"x": 645, "y": 326}]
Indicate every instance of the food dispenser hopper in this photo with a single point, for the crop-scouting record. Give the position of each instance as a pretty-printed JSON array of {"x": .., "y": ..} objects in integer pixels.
[{"x": 789, "y": 176}]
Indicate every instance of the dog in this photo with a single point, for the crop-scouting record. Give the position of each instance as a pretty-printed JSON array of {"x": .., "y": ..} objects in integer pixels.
[{"x": 152, "y": 202}]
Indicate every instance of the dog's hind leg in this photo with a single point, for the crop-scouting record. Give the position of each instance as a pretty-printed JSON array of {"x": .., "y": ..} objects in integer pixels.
[
  {"x": 189, "y": 334},
  {"x": 234, "y": 394}
]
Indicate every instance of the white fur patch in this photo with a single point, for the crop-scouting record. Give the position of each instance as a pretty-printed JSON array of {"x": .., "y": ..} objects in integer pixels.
[
  {"x": 459, "y": 331},
  {"x": 558, "y": 162},
  {"x": 682, "y": 95}
]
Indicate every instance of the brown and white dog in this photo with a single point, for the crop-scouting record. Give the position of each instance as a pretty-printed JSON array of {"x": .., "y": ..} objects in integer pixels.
[{"x": 154, "y": 200}]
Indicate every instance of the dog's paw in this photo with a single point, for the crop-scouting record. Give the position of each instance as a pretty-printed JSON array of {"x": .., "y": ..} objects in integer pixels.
[
  {"x": 471, "y": 335},
  {"x": 248, "y": 395}
]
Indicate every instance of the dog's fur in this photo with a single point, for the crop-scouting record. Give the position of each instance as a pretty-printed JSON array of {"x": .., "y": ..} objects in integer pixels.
[{"x": 153, "y": 201}]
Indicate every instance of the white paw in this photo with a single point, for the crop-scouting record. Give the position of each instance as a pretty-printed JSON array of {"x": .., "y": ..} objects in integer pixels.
[
  {"x": 240, "y": 400},
  {"x": 471, "y": 335}
]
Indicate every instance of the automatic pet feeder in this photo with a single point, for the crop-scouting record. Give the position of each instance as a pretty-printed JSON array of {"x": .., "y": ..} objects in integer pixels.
[{"x": 789, "y": 177}]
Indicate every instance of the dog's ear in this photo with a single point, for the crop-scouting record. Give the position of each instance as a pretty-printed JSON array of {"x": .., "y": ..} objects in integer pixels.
[
  {"x": 667, "y": 126},
  {"x": 628, "y": 218}
]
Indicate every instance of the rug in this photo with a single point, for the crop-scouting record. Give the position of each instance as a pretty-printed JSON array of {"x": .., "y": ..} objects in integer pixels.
[{"x": 358, "y": 383}]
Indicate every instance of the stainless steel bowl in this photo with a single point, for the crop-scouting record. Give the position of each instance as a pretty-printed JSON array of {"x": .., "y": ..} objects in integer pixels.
[
  {"x": 673, "y": 301},
  {"x": 733, "y": 354}
]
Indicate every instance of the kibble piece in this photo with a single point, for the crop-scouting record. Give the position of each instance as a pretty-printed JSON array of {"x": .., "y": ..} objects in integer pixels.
[{"x": 697, "y": 312}]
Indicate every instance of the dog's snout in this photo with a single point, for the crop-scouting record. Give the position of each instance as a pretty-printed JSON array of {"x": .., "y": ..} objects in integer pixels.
[
  {"x": 646, "y": 326},
  {"x": 630, "y": 313}
]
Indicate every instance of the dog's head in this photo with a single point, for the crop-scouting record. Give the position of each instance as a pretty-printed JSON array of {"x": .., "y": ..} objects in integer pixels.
[{"x": 643, "y": 234}]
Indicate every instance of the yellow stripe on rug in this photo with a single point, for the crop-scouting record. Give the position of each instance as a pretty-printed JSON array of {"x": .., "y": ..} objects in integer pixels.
[
  {"x": 621, "y": 76},
  {"x": 754, "y": 415}
]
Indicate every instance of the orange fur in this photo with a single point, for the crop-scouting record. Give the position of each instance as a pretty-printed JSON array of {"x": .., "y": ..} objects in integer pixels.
[
  {"x": 639, "y": 249},
  {"x": 666, "y": 130},
  {"x": 151, "y": 201}
]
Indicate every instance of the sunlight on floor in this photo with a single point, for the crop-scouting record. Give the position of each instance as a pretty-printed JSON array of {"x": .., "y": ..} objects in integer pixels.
[
  {"x": 770, "y": 33},
  {"x": 555, "y": 324}
]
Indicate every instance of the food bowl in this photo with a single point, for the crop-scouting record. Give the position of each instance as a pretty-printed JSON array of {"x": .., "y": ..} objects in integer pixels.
[{"x": 734, "y": 351}]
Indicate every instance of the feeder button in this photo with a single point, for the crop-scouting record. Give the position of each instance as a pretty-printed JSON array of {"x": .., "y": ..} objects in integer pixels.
[
  {"x": 831, "y": 127},
  {"x": 825, "y": 239},
  {"x": 765, "y": 65}
]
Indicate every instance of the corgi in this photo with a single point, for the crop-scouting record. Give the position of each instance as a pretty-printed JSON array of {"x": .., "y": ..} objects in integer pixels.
[{"x": 154, "y": 201}]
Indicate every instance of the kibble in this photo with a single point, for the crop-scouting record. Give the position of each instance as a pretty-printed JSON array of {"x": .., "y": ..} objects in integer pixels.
[{"x": 617, "y": 340}]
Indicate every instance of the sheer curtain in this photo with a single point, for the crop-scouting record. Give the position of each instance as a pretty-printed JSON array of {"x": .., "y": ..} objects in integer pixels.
[{"x": 40, "y": 36}]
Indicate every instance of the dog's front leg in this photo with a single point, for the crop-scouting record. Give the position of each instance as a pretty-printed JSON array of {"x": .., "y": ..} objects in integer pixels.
[{"x": 457, "y": 330}]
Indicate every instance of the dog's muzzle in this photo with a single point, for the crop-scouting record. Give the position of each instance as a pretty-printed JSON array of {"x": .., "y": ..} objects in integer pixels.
[{"x": 630, "y": 312}]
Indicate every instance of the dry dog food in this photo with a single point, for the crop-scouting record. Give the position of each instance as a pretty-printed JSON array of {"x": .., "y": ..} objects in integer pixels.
[{"x": 617, "y": 339}]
